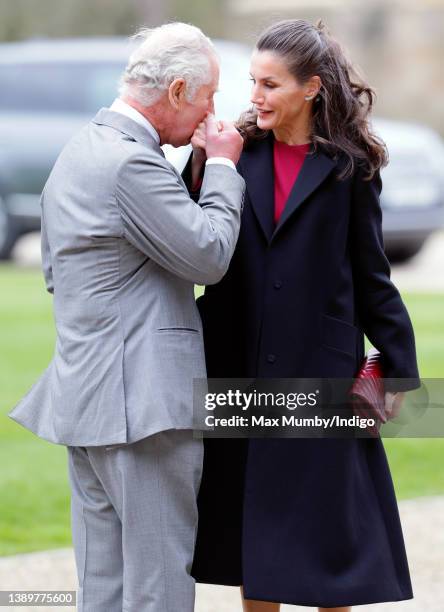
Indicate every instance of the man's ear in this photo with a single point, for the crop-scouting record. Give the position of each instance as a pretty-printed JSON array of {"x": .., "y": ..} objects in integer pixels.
[{"x": 176, "y": 93}]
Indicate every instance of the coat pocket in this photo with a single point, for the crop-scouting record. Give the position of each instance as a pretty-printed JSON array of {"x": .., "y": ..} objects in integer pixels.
[
  {"x": 178, "y": 329},
  {"x": 338, "y": 335}
]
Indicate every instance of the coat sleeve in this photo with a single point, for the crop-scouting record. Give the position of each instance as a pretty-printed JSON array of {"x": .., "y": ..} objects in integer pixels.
[
  {"x": 382, "y": 313},
  {"x": 186, "y": 177},
  {"x": 46, "y": 255},
  {"x": 192, "y": 241}
]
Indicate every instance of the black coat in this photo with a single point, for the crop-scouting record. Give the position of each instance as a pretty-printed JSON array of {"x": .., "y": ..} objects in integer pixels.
[{"x": 303, "y": 521}]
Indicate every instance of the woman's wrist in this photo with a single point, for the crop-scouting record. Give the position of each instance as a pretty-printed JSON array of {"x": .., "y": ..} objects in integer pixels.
[{"x": 199, "y": 155}]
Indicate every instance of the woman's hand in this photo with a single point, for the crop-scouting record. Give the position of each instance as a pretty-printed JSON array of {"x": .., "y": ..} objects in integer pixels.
[
  {"x": 199, "y": 141},
  {"x": 393, "y": 404}
]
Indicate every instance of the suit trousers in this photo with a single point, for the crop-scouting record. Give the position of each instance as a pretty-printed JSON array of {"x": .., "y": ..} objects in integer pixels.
[{"x": 134, "y": 521}]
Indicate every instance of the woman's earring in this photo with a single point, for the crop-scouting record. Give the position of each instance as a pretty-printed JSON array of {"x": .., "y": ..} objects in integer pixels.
[{"x": 309, "y": 98}]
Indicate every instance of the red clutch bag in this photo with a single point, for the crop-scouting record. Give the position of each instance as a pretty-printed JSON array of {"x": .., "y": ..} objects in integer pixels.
[{"x": 367, "y": 395}]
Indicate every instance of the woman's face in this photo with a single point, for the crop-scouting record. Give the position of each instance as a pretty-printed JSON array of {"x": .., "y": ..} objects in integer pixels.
[{"x": 277, "y": 96}]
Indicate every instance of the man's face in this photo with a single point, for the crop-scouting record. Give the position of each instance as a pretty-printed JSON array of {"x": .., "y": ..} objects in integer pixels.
[{"x": 186, "y": 119}]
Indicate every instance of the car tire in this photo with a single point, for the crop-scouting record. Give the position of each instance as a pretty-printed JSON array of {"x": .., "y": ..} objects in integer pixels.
[
  {"x": 8, "y": 232},
  {"x": 402, "y": 254}
]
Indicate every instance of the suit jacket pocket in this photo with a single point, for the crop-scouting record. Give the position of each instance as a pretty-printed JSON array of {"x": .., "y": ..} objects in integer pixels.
[
  {"x": 178, "y": 329},
  {"x": 338, "y": 335}
]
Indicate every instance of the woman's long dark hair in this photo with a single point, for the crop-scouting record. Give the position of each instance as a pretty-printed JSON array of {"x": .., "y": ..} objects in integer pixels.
[{"x": 340, "y": 119}]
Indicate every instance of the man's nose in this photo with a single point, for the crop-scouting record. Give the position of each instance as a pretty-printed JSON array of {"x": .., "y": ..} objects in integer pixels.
[{"x": 211, "y": 107}]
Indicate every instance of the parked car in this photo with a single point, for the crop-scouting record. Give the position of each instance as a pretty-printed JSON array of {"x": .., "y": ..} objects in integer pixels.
[
  {"x": 50, "y": 88},
  {"x": 412, "y": 196}
]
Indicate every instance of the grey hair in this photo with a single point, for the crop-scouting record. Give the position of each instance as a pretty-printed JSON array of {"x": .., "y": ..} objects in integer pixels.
[{"x": 167, "y": 52}]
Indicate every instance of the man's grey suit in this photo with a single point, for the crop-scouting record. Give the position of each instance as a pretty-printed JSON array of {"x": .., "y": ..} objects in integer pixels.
[{"x": 122, "y": 246}]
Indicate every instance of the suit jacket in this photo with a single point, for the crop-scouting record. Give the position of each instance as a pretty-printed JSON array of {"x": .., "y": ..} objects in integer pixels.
[
  {"x": 122, "y": 246},
  {"x": 299, "y": 296}
]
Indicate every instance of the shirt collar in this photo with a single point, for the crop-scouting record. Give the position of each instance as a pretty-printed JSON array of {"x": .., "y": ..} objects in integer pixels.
[{"x": 119, "y": 106}]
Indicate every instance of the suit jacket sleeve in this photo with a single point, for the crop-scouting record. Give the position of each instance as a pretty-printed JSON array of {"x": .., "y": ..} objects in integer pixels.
[
  {"x": 192, "y": 241},
  {"x": 186, "y": 177},
  {"x": 382, "y": 313},
  {"x": 46, "y": 255}
]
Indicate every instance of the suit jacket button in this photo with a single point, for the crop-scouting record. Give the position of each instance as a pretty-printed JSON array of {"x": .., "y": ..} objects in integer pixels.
[
  {"x": 271, "y": 358},
  {"x": 277, "y": 284}
]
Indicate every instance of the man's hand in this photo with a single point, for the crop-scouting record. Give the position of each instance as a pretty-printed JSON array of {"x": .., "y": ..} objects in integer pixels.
[
  {"x": 393, "y": 404},
  {"x": 222, "y": 139}
]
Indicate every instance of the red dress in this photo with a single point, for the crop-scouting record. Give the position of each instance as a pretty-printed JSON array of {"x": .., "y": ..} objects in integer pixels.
[{"x": 287, "y": 162}]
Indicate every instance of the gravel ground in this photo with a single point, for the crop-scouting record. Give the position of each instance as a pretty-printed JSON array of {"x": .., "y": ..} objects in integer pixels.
[{"x": 423, "y": 524}]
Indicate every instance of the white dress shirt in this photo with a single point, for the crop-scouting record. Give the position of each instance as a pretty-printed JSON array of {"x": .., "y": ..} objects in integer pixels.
[{"x": 119, "y": 106}]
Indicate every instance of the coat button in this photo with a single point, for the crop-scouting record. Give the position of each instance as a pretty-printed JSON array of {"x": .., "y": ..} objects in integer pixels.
[
  {"x": 271, "y": 358},
  {"x": 277, "y": 284}
]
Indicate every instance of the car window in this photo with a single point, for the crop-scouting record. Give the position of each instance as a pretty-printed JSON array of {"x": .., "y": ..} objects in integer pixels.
[{"x": 58, "y": 87}]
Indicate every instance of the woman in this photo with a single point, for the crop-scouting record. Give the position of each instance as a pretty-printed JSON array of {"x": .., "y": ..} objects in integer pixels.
[{"x": 309, "y": 522}]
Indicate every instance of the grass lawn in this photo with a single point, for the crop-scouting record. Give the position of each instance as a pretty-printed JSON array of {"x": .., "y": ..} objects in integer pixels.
[{"x": 34, "y": 509}]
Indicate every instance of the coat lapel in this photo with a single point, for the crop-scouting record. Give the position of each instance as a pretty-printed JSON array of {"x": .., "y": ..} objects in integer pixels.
[
  {"x": 315, "y": 169},
  {"x": 257, "y": 169}
]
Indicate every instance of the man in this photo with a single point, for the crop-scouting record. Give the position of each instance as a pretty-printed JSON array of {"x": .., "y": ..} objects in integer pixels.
[{"x": 122, "y": 245}]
